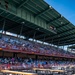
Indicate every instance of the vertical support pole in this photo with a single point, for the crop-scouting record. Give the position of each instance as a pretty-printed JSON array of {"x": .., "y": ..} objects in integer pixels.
[
  {"x": 5, "y": 32},
  {"x": 34, "y": 35},
  {"x": 63, "y": 45},
  {"x": 21, "y": 30},
  {"x": 51, "y": 41},
  {"x": 27, "y": 37},
  {"x": 2, "y": 53},
  {"x": 36, "y": 57},
  {"x": 58, "y": 43},
  {"x": 67, "y": 48},
  {"x": 43, "y": 40},
  {"x": 3, "y": 27},
  {"x": 17, "y": 35},
  {"x": 13, "y": 55},
  {"x": 72, "y": 49}
]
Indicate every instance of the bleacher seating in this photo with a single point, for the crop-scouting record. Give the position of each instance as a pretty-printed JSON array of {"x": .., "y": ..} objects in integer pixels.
[
  {"x": 19, "y": 63},
  {"x": 16, "y": 44},
  {"x": 25, "y": 46}
]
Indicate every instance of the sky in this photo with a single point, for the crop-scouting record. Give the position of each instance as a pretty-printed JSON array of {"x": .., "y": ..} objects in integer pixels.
[{"x": 65, "y": 7}]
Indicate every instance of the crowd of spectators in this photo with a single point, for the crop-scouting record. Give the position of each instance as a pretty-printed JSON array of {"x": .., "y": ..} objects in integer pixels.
[
  {"x": 13, "y": 43},
  {"x": 19, "y": 63},
  {"x": 17, "y": 44}
]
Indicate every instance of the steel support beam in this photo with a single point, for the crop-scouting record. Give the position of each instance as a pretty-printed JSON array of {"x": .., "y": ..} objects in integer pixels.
[
  {"x": 65, "y": 39},
  {"x": 63, "y": 25},
  {"x": 22, "y": 3},
  {"x": 30, "y": 31},
  {"x": 62, "y": 33},
  {"x": 67, "y": 43},
  {"x": 69, "y": 40},
  {"x": 62, "y": 37},
  {"x": 54, "y": 19},
  {"x": 29, "y": 17},
  {"x": 42, "y": 12},
  {"x": 40, "y": 36},
  {"x": 68, "y": 37},
  {"x": 13, "y": 28}
]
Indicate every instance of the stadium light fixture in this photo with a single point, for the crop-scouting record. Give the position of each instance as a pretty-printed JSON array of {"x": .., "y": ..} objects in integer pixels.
[
  {"x": 37, "y": 28},
  {"x": 50, "y": 7},
  {"x": 61, "y": 16},
  {"x": 61, "y": 22},
  {"x": 23, "y": 22},
  {"x": 10, "y": 74},
  {"x": 58, "y": 35}
]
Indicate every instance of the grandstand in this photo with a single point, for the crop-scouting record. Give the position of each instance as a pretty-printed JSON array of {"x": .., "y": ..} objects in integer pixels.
[{"x": 31, "y": 32}]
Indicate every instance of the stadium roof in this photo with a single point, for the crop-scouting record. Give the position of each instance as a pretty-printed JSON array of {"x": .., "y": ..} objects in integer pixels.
[
  {"x": 72, "y": 47},
  {"x": 39, "y": 8}
]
